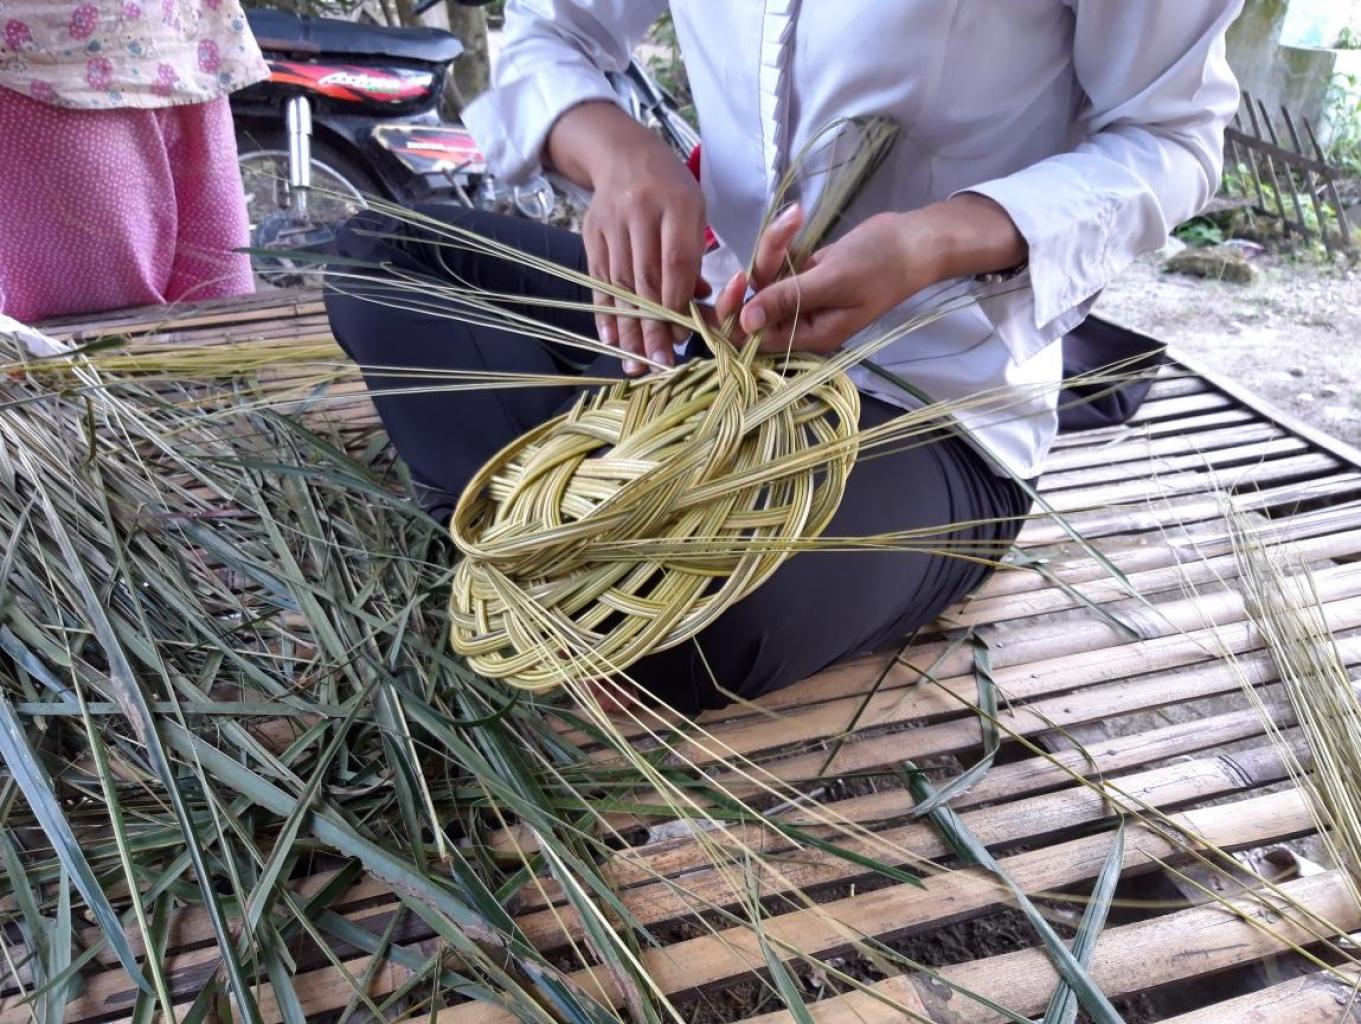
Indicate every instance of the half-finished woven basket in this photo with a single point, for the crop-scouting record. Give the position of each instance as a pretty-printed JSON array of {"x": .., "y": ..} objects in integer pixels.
[{"x": 633, "y": 521}]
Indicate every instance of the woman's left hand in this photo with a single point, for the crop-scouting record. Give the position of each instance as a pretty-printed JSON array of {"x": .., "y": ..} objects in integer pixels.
[{"x": 877, "y": 265}]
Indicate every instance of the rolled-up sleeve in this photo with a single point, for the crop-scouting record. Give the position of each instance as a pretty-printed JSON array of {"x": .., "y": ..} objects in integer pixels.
[
  {"x": 1160, "y": 93},
  {"x": 554, "y": 55}
]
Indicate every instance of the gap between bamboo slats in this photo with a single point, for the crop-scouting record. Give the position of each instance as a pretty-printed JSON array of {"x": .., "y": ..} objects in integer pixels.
[
  {"x": 1110, "y": 759},
  {"x": 958, "y": 735},
  {"x": 1140, "y": 448},
  {"x": 1174, "y": 947},
  {"x": 1159, "y": 466},
  {"x": 655, "y": 902},
  {"x": 1165, "y": 545},
  {"x": 1187, "y": 508},
  {"x": 1111, "y": 437},
  {"x": 899, "y": 910},
  {"x": 894, "y": 911},
  {"x": 1080, "y": 647},
  {"x": 1315, "y": 999}
]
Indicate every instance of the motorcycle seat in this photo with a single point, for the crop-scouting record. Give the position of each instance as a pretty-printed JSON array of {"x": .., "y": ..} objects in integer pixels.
[{"x": 283, "y": 31}]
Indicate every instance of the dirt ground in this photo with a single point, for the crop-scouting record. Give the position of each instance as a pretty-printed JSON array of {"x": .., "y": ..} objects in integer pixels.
[{"x": 1293, "y": 336}]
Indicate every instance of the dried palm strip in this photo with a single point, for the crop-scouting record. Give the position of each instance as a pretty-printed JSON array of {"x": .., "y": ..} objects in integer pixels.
[
  {"x": 655, "y": 902},
  {"x": 1253, "y": 475},
  {"x": 1112, "y": 436},
  {"x": 1173, "y": 947},
  {"x": 902, "y": 909},
  {"x": 216, "y": 313},
  {"x": 1197, "y": 633},
  {"x": 880, "y": 751},
  {"x": 1010, "y": 782},
  {"x": 1140, "y": 551},
  {"x": 1151, "y": 566},
  {"x": 1141, "y": 447},
  {"x": 1204, "y": 778},
  {"x": 897, "y": 910},
  {"x": 1200, "y": 569},
  {"x": 1021, "y": 821},
  {"x": 1104, "y": 759},
  {"x": 1192, "y": 507},
  {"x": 1161, "y": 465},
  {"x": 1067, "y": 652}
]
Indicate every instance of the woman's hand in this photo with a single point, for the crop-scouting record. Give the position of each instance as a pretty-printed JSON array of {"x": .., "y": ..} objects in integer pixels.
[
  {"x": 877, "y": 265},
  {"x": 644, "y": 230}
]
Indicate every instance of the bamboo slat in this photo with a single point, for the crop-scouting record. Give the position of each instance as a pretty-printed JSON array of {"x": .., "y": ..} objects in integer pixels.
[
  {"x": 902, "y": 909},
  {"x": 1149, "y": 497},
  {"x": 1316, "y": 999},
  {"x": 1175, "y": 947},
  {"x": 656, "y": 902}
]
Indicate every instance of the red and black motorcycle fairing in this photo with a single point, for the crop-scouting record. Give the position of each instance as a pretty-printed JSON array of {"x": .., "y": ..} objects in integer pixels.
[
  {"x": 423, "y": 149},
  {"x": 380, "y": 87}
]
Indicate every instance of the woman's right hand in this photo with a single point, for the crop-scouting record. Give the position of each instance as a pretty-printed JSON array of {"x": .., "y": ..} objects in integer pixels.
[{"x": 644, "y": 230}]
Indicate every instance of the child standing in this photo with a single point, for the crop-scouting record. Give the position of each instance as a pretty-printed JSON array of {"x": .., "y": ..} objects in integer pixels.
[{"x": 118, "y": 177}]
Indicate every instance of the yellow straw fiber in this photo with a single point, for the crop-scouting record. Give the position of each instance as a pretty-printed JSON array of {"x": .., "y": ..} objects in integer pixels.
[{"x": 725, "y": 461}]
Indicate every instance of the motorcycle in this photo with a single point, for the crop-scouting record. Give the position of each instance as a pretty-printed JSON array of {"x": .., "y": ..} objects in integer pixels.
[{"x": 352, "y": 111}]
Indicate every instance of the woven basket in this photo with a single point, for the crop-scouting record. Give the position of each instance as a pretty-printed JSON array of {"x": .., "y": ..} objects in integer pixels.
[{"x": 633, "y": 521}]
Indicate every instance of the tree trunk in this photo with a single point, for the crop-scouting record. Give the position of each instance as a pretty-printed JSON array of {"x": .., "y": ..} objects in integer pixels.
[{"x": 473, "y": 70}]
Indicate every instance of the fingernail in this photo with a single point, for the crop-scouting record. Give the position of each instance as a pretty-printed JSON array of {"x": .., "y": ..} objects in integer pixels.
[
  {"x": 632, "y": 367},
  {"x": 787, "y": 214},
  {"x": 664, "y": 356},
  {"x": 738, "y": 278},
  {"x": 608, "y": 334},
  {"x": 753, "y": 319}
]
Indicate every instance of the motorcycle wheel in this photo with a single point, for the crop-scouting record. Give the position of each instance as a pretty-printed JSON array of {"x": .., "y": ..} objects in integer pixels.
[{"x": 339, "y": 188}]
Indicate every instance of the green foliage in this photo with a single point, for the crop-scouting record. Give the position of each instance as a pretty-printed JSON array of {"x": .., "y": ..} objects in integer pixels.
[
  {"x": 1344, "y": 114},
  {"x": 1349, "y": 39},
  {"x": 1201, "y": 233},
  {"x": 668, "y": 67}
]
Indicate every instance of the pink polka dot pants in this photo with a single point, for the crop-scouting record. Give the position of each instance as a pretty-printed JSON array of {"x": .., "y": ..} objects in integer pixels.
[{"x": 104, "y": 209}]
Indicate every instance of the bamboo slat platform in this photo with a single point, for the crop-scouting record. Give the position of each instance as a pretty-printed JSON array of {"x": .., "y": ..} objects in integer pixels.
[{"x": 1147, "y": 688}]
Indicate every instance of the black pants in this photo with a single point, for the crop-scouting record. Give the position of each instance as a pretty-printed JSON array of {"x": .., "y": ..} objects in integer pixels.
[{"x": 817, "y": 609}]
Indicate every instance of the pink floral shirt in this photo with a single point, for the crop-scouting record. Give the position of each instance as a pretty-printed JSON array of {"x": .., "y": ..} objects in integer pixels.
[{"x": 126, "y": 53}]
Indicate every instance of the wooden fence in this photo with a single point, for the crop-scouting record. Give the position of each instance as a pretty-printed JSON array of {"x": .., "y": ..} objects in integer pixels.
[{"x": 1287, "y": 182}]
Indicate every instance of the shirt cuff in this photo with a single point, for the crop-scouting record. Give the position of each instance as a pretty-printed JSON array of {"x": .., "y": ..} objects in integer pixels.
[
  {"x": 1067, "y": 227},
  {"x": 511, "y": 122},
  {"x": 1011, "y": 309}
]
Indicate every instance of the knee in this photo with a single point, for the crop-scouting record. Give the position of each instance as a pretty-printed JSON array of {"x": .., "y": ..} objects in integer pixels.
[{"x": 368, "y": 236}]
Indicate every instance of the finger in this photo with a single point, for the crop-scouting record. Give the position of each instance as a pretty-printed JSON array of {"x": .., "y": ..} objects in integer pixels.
[
  {"x": 804, "y": 293},
  {"x": 648, "y": 275},
  {"x": 598, "y": 266},
  {"x": 621, "y": 276},
  {"x": 772, "y": 251},
  {"x": 823, "y": 332},
  {"x": 681, "y": 248},
  {"x": 730, "y": 298}
]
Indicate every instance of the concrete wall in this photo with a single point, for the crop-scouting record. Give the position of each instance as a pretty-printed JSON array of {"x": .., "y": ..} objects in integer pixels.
[{"x": 1274, "y": 70}]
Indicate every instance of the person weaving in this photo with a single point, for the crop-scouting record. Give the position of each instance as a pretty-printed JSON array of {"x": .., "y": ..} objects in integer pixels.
[{"x": 1045, "y": 145}]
